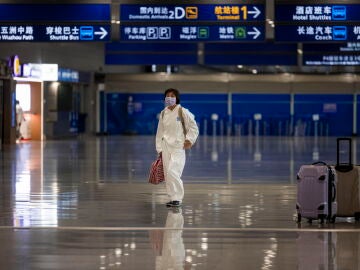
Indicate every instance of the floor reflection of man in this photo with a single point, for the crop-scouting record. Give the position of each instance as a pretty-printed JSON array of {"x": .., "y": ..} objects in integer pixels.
[{"x": 169, "y": 243}]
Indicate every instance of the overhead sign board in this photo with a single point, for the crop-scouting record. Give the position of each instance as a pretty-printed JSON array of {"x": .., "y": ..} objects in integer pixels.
[
  {"x": 192, "y": 12},
  {"x": 316, "y": 13},
  {"x": 237, "y": 33},
  {"x": 55, "y": 22},
  {"x": 63, "y": 32}
]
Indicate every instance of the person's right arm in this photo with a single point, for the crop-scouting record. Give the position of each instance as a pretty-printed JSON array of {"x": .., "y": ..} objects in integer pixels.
[{"x": 159, "y": 135}]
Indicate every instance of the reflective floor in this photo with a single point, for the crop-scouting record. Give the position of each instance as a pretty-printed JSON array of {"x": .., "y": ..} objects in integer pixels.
[{"x": 86, "y": 204}]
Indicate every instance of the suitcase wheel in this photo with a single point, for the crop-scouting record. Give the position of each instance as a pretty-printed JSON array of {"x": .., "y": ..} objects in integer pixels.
[
  {"x": 333, "y": 219},
  {"x": 322, "y": 218}
]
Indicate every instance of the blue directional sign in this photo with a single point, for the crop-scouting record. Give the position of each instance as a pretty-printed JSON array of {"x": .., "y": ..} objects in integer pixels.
[
  {"x": 196, "y": 33},
  {"x": 57, "y": 32},
  {"x": 68, "y": 75},
  {"x": 192, "y": 12},
  {"x": 316, "y": 13},
  {"x": 55, "y": 12},
  {"x": 55, "y": 22},
  {"x": 317, "y": 33},
  {"x": 343, "y": 54}
]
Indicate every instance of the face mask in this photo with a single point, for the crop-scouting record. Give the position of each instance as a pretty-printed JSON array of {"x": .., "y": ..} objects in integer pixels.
[{"x": 170, "y": 101}]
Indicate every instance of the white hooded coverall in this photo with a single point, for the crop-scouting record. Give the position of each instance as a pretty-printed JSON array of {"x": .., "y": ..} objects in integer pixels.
[{"x": 170, "y": 142}]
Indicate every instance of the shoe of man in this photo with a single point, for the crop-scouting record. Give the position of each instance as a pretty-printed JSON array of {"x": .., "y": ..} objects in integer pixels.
[{"x": 173, "y": 204}]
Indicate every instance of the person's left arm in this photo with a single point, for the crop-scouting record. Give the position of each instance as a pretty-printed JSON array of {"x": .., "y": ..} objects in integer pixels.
[{"x": 192, "y": 130}]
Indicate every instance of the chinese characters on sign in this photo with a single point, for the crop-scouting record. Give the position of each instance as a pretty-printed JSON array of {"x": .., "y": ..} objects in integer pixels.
[
  {"x": 319, "y": 12},
  {"x": 13, "y": 33},
  {"x": 62, "y": 33},
  {"x": 350, "y": 47},
  {"x": 317, "y": 33},
  {"x": 315, "y": 13}
]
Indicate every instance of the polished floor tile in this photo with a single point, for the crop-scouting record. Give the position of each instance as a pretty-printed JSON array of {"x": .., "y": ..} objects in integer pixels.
[
  {"x": 86, "y": 204},
  {"x": 177, "y": 249}
]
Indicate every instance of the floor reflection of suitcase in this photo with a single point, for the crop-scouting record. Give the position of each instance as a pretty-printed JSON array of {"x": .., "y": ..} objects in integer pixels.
[
  {"x": 348, "y": 183},
  {"x": 316, "y": 250},
  {"x": 316, "y": 192},
  {"x": 348, "y": 250}
]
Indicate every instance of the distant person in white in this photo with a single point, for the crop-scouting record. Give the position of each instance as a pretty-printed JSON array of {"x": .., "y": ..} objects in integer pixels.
[
  {"x": 19, "y": 119},
  {"x": 177, "y": 131}
]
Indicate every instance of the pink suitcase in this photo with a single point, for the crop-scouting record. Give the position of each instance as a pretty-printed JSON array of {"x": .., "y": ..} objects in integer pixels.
[{"x": 316, "y": 193}]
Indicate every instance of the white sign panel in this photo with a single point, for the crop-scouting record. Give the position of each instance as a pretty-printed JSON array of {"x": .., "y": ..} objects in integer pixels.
[{"x": 44, "y": 72}]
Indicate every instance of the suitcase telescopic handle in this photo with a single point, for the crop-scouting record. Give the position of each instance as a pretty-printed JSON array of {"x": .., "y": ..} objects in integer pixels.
[
  {"x": 338, "y": 141},
  {"x": 344, "y": 167}
]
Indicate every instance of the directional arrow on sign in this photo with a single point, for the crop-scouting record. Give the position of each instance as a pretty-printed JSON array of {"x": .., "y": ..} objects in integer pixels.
[
  {"x": 256, "y": 33},
  {"x": 103, "y": 33},
  {"x": 255, "y": 11}
]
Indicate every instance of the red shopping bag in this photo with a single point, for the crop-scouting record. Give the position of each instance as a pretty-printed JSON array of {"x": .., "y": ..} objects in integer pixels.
[{"x": 157, "y": 172}]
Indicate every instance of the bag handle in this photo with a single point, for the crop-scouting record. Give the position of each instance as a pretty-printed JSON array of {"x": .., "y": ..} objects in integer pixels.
[
  {"x": 343, "y": 167},
  {"x": 319, "y": 163}
]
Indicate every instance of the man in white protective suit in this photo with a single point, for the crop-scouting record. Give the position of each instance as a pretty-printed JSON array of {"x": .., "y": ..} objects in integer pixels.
[{"x": 177, "y": 131}]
